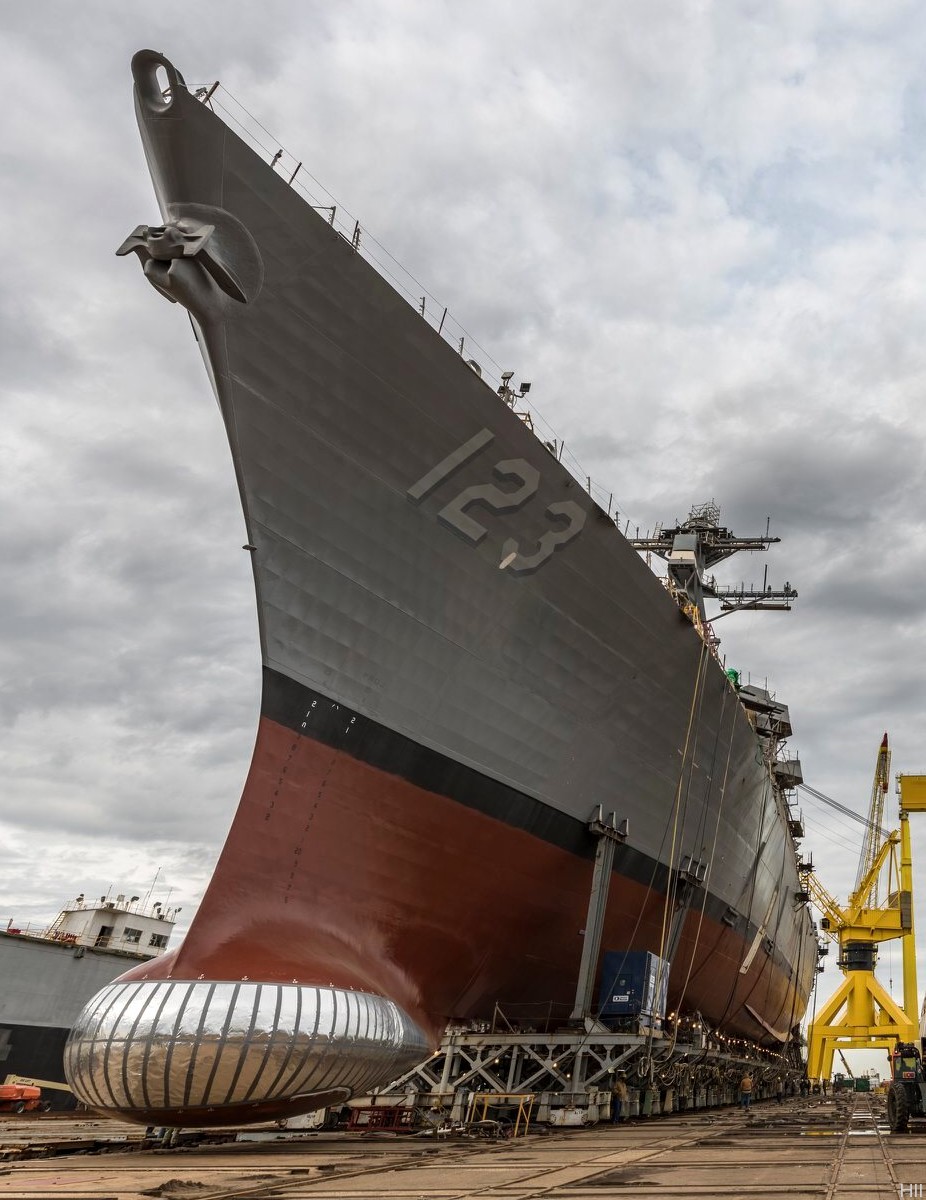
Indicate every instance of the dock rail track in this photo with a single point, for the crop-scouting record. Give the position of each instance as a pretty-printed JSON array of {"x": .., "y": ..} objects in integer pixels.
[{"x": 820, "y": 1148}]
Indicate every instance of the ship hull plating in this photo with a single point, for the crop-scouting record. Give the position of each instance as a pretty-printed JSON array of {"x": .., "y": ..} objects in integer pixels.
[{"x": 463, "y": 658}]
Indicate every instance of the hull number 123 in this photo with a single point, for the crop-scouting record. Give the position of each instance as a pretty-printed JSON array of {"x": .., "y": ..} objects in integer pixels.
[{"x": 565, "y": 518}]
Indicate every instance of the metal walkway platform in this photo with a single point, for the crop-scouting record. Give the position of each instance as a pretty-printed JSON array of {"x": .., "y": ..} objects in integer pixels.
[{"x": 815, "y": 1149}]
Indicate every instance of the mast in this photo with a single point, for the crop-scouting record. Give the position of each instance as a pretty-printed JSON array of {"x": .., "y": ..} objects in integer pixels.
[{"x": 698, "y": 544}]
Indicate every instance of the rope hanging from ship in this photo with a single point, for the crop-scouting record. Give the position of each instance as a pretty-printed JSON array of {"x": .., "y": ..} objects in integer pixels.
[
  {"x": 693, "y": 975},
  {"x": 679, "y": 813},
  {"x": 783, "y": 898},
  {"x": 678, "y": 810},
  {"x": 648, "y": 1063},
  {"x": 768, "y": 791},
  {"x": 660, "y": 867},
  {"x": 690, "y": 974},
  {"x": 697, "y": 936},
  {"x": 645, "y": 1057}
]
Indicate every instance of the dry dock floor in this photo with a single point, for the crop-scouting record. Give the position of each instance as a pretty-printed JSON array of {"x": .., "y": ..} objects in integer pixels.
[{"x": 830, "y": 1148}]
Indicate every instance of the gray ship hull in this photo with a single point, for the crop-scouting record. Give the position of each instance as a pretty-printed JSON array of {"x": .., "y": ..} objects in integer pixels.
[{"x": 459, "y": 646}]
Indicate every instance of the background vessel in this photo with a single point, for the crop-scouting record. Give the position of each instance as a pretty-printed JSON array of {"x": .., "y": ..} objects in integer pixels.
[{"x": 49, "y": 972}]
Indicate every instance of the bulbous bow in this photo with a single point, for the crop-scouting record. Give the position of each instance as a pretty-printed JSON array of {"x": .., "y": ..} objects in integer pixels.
[{"x": 181, "y": 1052}]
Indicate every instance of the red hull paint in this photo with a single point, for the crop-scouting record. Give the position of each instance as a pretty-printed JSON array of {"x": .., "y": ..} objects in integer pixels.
[{"x": 335, "y": 872}]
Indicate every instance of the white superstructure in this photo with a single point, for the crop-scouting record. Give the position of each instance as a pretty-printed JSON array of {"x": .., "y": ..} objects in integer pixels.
[{"x": 137, "y": 927}]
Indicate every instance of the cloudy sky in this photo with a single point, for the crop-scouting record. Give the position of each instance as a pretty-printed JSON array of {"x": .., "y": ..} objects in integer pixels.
[{"x": 699, "y": 230}]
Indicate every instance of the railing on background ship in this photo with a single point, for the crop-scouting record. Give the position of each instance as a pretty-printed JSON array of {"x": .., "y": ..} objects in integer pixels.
[{"x": 28, "y": 930}]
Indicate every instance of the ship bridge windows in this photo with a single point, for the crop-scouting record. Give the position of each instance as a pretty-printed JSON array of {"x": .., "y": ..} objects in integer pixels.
[
  {"x": 158, "y": 940},
  {"x": 131, "y": 935}
]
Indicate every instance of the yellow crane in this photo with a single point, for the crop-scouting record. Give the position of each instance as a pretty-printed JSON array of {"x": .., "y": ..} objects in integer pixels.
[
  {"x": 873, "y": 832},
  {"x": 861, "y": 1013}
]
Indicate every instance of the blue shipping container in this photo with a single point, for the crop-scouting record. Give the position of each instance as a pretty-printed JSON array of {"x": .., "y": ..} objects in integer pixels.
[{"x": 633, "y": 984}]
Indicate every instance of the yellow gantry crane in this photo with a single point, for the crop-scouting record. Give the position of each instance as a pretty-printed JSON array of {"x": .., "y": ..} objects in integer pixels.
[
  {"x": 874, "y": 831},
  {"x": 862, "y": 1014}
]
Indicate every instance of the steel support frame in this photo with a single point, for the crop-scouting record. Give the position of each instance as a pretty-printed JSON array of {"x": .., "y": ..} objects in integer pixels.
[
  {"x": 860, "y": 1015},
  {"x": 574, "y": 1068},
  {"x": 609, "y": 835}
]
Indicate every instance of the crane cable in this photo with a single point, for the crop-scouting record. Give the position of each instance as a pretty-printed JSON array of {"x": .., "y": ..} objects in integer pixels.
[{"x": 842, "y": 808}]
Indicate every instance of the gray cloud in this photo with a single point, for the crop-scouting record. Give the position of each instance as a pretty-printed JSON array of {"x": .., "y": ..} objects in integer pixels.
[{"x": 698, "y": 231}]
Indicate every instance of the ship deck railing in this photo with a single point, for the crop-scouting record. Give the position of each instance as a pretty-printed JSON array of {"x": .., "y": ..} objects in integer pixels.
[{"x": 438, "y": 315}]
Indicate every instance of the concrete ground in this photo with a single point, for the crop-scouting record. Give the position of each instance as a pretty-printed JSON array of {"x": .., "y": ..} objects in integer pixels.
[{"x": 830, "y": 1148}]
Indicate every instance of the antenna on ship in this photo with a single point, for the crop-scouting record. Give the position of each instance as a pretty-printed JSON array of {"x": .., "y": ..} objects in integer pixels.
[
  {"x": 151, "y": 889},
  {"x": 700, "y": 542}
]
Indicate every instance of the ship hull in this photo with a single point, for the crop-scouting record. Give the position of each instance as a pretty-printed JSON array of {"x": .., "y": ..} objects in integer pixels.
[
  {"x": 463, "y": 659},
  {"x": 445, "y": 934},
  {"x": 440, "y": 933}
]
